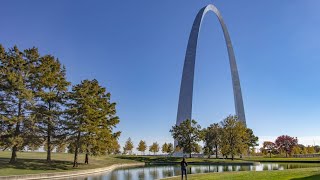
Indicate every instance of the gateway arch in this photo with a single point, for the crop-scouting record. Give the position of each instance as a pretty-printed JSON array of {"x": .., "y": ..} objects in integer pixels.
[{"x": 186, "y": 88}]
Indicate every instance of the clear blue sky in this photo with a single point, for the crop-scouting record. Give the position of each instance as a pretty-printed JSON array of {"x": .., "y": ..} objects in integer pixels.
[{"x": 136, "y": 49}]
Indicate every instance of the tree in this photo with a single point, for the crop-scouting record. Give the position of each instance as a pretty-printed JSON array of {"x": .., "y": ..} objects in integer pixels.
[
  {"x": 269, "y": 147},
  {"x": 142, "y": 146},
  {"x": 187, "y": 134},
  {"x": 2, "y": 129},
  {"x": 310, "y": 150},
  {"x": 33, "y": 147},
  {"x": 154, "y": 148},
  {"x": 303, "y": 149},
  {"x": 61, "y": 148},
  {"x": 124, "y": 152},
  {"x": 45, "y": 147},
  {"x": 91, "y": 119},
  {"x": 296, "y": 150},
  {"x": 17, "y": 74},
  {"x": 51, "y": 87},
  {"x": 286, "y": 143},
  {"x": 177, "y": 149},
  {"x": 212, "y": 139},
  {"x": 207, "y": 151},
  {"x": 170, "y": 148},
  {"x": 165, "y": 148},
  {"x": 234, "y": 136},
  {"x": 197, "y": 149},
  {"x": 252, "y": 140},
  {"x": 128, "y": 146},
  {"x": 117, "y": 151},
  {"x": 71, "y": 148},
  {"x": 114, "y": 146},
  {"x": 252, "y": 151}
]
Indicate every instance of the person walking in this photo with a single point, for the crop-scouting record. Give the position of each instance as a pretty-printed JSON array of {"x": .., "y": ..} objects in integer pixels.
[{"x": 184, "y": 165}]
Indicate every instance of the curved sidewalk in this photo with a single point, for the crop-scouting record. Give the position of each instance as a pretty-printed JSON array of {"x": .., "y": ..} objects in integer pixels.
[{"x": 60, "y": 175}]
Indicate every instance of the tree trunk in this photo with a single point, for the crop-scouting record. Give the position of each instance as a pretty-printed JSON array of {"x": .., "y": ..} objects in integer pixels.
[
  {"x": 270, "y": 154},
  {"x": 86, "y": 161},
  {"x": 49, "y": 137},
  {"x": 13, "y": 158},
  {"x": 190, "y": 155},
  {"x": 232, "y": 157},
  {"x": 286, "y": 154},
  {"x": 75, "y": 161},
  {"x": 13, "y": 155},
  {"x": 216, "y": 152},
  {"x": 49, "y": 145}
]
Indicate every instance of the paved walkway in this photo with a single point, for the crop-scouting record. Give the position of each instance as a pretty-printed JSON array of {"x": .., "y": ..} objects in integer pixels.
[{"x": 61, "y": 175}]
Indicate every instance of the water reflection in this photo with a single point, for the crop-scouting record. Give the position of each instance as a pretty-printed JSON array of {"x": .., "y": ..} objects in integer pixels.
[
  {"x": 141, "y": 174},
  {"x": 167, "y": 171},
  {"x": 154, "y": 172},
  {"x": 158, "y": 172},
  {"x": 127, "y": 174}
]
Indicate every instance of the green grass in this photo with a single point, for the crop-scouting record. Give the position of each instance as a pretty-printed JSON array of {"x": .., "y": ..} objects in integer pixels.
[
  {"x": 281, "y": 159},
  {"x": 291, "y": 174},
  {"x": 35, "y": 162}
]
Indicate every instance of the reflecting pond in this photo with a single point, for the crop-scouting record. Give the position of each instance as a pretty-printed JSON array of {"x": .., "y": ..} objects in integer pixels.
[{"x": 163, "y": 171}]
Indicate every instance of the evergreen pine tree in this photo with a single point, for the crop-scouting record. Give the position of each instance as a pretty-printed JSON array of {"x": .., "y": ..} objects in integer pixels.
[
  {"x": 91, "y": 119},
  {"x": 51, "y": 87},
  {"x": 17, "y": 74}
]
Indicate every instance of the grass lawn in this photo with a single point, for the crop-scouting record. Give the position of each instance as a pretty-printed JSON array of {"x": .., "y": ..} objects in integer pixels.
[
  {"x": 291, "y": 174},
  {"x": 35, "y": 162},
  {"x": 281, "y": 159}
]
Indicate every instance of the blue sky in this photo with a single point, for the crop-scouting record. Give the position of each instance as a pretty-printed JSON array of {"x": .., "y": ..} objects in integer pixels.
[{"x": 136, "y": 49}]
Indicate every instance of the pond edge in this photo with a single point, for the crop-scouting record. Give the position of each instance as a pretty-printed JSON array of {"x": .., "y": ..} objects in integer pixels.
[
  {"x": 59, "y": 175},
  {"x": 205, "y": 163}
]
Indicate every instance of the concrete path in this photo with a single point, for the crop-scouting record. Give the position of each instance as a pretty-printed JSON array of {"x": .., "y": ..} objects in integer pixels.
[{"x": 61, "y": 175}]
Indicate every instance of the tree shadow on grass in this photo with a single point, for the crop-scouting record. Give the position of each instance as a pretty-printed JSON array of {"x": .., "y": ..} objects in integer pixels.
[
  {"x": 35, "y": 164},
  {"x": 313, "y": 177}
]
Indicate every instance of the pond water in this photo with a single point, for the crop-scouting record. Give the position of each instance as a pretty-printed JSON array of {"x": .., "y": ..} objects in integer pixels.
[{"x": 163, "y": 171}]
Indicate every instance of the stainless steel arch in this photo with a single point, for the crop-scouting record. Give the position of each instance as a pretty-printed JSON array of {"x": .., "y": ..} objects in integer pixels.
[{"x": 186, "y": 88}]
